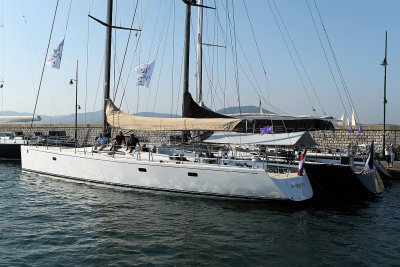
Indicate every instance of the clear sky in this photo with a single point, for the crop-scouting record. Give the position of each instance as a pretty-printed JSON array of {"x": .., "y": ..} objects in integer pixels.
[{"x": 356, "y": 31}]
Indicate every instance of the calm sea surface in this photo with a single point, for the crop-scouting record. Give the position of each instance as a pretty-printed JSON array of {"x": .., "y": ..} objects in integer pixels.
[{"x": 51, "y": 222}]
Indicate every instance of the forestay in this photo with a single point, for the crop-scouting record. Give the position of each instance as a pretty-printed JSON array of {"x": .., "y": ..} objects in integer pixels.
[
  {"x": 119, "y": 119},
  {"x": 282, "y": 139}
]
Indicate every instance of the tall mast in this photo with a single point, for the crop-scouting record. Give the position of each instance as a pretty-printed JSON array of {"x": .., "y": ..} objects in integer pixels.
[
  {"x": 107, "y": 68},
  {"x": 199, "y": 76},
  {"x": 186, "y": 55}
]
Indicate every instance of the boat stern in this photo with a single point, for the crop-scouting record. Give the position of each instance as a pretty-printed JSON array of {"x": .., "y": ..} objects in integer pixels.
[{"x": 296, "y": 188}]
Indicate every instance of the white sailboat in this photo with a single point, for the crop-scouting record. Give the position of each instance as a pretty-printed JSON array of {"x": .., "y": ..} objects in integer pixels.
[
  {"x": 153, "y": 171},
  {"x": 353, "y": 119}
]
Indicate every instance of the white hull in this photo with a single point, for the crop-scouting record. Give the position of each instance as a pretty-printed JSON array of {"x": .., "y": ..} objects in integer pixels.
[{"x": 170, "y": 176}]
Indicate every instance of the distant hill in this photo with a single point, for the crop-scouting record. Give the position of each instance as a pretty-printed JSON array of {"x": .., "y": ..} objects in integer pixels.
[{"x": 96, "y": 117}]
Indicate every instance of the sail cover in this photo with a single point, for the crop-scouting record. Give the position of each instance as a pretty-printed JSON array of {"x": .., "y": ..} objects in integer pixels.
[
  {"x": 282, "y": 139},
  {"x": 119, "y": 119}
]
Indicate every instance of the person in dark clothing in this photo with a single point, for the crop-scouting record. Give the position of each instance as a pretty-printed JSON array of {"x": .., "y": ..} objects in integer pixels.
[
  {"x": 132, "y": 143},
  {"x": 119, "y": 140}
]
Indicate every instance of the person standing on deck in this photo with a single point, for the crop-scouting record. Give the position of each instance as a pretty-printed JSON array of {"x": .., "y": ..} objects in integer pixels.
[
  {"x": 392, "y": 155},
  {"x": 387, "y": 156}
]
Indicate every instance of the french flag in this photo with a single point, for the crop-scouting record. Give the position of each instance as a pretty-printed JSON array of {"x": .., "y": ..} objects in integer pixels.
[{"x": 301, "y": 163}]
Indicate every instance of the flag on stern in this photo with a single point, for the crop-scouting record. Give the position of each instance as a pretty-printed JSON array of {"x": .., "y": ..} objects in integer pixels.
[
  {"x": 144, "y": 72},
  {"x": 54, "y": 59},
  {"x": 301, "y": 163}
]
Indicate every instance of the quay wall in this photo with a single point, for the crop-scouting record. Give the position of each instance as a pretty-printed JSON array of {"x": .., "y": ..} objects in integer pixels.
[{"x": 340, "y": 138}]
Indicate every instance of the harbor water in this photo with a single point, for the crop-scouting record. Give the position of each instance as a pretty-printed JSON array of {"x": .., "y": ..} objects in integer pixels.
[{"x": 52, "y": 222}]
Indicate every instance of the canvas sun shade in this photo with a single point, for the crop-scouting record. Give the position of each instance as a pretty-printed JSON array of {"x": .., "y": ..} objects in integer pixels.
[
  {"x": 119, "y": 119},
  {"x": 281, "y": 139}
]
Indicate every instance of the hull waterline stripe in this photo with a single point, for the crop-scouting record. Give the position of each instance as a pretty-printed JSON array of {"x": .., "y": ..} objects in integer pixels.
[{"x": 155, "y": 188}]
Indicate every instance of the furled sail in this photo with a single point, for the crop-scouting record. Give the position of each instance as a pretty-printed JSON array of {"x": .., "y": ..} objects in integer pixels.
[
  {"x": 282, "y": 123},
  {"x": 119, "y": 119}
]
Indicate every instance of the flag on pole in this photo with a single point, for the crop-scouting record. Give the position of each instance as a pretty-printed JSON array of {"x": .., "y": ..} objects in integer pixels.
[
  {"x": 301, "y": 163},
  {"x": 144, "y": 72},
  {"x": 54, "y": 59},
  {"x": 360, "y": 130},
  {"x": 351, "y": 129}
]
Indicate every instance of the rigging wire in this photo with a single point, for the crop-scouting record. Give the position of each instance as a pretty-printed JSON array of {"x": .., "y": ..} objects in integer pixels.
[
  {"x": 87, "y": 59},
  {"x": 157, "y": 49},
  {"x": 44, "y": 63},
  {"x": 327, "y": 60},
  {"x": 36, "y": 54},
  {"x": 3, "y": 59},
  {"x": 136, "y": 49},
  {"x": 179, "y": 87},
  {"x": 215, "y": 51},
  {"x": 349, "y": 99},
  {"x": 291, "y": 56},
  {"x": 244, "y": 54},
  {"x": 173, "y": 61},
  {"x": 258, "y": 49},
  {"x": 161, "y": 64},
  {"x": 115, "y": 43},
  {"x": 125, "y": 52},
  {"x": 236, "y": 58},
  {"x": 140, "y": 54},
  {"x": 163, "y": 31},
  {"x": 66, "y": 25},
  {"x": 225, "y": 59},
  {"x": 298, "y": 57},
  {"x": 257, "y": 90},
  {"x": 98, "y": 87}
]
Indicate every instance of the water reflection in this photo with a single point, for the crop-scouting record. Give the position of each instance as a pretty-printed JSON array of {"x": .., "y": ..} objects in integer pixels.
[{"x": 45, "y": 220}]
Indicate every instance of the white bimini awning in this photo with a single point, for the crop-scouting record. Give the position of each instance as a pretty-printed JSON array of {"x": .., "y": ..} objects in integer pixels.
[{"x": 282, "y": 139}]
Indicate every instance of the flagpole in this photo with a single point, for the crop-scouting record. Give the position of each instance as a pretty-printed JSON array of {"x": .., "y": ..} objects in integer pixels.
[{"x": 384, "y": 64}]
